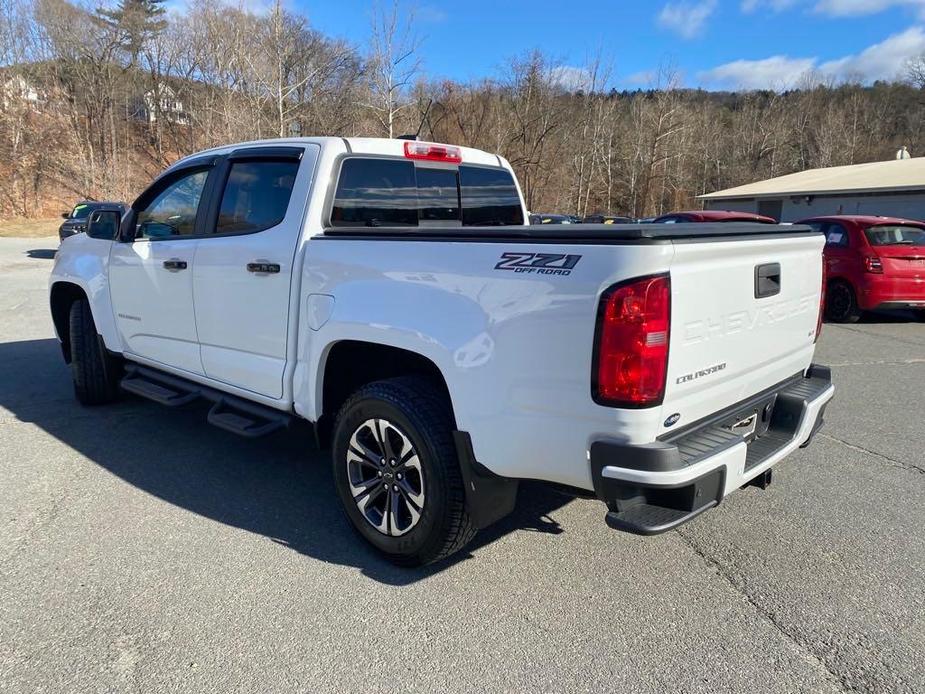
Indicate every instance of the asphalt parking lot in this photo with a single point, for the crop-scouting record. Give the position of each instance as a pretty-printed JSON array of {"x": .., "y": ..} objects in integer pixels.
[{"x": 142, "y": 551}]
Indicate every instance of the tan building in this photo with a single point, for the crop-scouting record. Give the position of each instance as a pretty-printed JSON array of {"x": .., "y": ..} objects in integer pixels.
[{"x": 893, "y": 188}]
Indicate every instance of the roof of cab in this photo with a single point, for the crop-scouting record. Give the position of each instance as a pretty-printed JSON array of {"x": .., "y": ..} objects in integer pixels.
[{"x": 381, "y": 146}]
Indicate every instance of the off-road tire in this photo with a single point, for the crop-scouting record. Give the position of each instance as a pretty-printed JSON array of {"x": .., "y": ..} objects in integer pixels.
[
  {"x": 94, "y": 371},
  {"x": 424, "y": 414}
]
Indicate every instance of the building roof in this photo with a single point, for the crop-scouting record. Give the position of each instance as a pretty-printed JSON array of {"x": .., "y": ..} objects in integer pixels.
[{"x": 877, "y": 176}]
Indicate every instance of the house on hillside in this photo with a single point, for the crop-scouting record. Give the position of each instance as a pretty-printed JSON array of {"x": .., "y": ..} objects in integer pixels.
[
  {"x": 893, "y": 188},
  {"x": 17, "y": 89},
  {"x": 162, "y": 103}
]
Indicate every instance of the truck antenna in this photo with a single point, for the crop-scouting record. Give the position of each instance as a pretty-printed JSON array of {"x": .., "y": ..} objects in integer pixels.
[{"x": 420, "y": 126}]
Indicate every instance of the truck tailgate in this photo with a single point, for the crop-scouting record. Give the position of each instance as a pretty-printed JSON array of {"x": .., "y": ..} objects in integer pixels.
[{"x": 744, "y": 316}]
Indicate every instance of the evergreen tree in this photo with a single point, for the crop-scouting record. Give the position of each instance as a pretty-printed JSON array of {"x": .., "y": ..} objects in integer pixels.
[{"x": 136, "y": 21}]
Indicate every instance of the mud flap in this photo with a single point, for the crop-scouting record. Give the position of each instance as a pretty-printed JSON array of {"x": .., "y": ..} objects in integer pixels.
[{"x": 489, "y": 497}]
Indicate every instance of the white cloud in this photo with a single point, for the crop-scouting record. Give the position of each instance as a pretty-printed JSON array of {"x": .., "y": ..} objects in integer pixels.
[
  {"x": 749, "y": 6},
  {"x": 570, "y": 78},
  {"x": 858, "y": 8},
  {"x": 776, "y": 72},
  {"x": 882, "y": 60},
  {"x": 430, "y": 14},
  {"x": 686, "y": 18},
  {"x": 642, "y": 78},
  {"x": 835, "y": 8}
]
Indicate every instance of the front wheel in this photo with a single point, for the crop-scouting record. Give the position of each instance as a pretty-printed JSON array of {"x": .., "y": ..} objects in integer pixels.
[
  {"x": 94, "y": 371},
  {"x": 397, "y": 472},
  {"x": 841, "y": 303}
]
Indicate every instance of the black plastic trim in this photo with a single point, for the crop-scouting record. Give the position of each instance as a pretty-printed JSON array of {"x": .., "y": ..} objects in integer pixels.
[
  {"x": 271, "y": 153},
  {"x": 597, "y": 234},
  {"x": 174, "y": 391},
  {"x": 649, "y": 509},
  {"x": 767, "y": 280},
  {"x": 489, "y": 497},
  {"x": 665, "y": 455}
]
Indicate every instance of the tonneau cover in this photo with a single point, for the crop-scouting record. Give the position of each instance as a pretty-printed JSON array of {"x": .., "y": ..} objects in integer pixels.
[{"x": 581, "y": 233}]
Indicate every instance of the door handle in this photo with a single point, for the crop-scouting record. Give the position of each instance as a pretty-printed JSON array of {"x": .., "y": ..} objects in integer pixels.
[
  {"x": 175, "y": 264},
  {"x": 263, "y": 268}
]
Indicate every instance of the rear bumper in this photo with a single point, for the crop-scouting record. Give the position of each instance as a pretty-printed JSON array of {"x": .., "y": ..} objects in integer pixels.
[
  {"x": 652, "y": 488},
  {"x": 886, "y": 291}
]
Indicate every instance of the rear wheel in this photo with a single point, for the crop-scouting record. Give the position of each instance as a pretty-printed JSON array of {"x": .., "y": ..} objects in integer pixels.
[
  {"x": 397, "y": 473},
  {"x": 94, "y": 371},
  {"x": 841, "y": 303}
]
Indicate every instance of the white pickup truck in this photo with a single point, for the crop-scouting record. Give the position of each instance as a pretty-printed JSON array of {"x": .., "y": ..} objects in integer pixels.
[{"x": 389, "y": 292}]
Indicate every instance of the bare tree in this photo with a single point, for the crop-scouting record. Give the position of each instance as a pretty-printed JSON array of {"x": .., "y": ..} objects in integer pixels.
[
  {"x": 915, "y": 71},
  {"x": 393, "y": 64}
]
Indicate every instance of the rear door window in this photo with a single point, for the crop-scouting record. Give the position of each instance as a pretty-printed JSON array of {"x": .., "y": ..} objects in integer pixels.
[
  {"x": 256, "y": 196},
  {"x": 489, "y": 197}
]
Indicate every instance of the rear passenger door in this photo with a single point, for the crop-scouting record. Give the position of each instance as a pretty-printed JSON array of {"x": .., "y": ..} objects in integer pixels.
[{"x": 244, "y": 265}]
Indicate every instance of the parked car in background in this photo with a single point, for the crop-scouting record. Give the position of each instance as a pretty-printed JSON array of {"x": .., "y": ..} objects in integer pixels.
[
  {"x": 552, "y": 219},
  {"x": 75, "y": 221},
  {"x": 607, "y": 219},
  {"x": 872, "y": 263},
  {"x": 712, "y": 216}
]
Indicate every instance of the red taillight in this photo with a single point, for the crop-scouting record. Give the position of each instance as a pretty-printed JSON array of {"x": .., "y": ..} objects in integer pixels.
[
  {"x": 432, "y": 152},
  {"x": 821, "y": 301},
  {"x": 631, "y": 357},
  {"x": 873, "y": 264}
]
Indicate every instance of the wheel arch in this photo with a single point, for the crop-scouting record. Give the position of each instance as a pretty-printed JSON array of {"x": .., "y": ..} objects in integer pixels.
[
  {"x": 350, "y": 364},
  {"x": 61, "y": 297}
]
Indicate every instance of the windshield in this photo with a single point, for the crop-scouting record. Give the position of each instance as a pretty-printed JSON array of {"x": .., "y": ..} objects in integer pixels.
[
  {"x": 895, "y": 235},
  {"x": 81, "y": 211}
]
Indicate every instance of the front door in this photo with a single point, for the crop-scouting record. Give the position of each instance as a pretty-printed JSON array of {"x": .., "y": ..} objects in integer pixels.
[
  {"x": 151, "y": 272},
  {"x": 245, "y": 262}
]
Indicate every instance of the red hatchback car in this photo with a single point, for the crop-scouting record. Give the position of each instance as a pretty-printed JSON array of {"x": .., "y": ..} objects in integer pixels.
[
  {"x": 698, "y": 216},
  {"x": 871, "y": 263}
]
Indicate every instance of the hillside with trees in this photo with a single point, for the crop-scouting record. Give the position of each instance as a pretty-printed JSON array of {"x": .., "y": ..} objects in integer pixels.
[{"x": 96, "y": 101}]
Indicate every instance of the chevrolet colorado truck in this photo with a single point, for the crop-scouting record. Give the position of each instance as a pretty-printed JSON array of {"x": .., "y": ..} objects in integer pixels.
[{"x": 390, "y": 293}]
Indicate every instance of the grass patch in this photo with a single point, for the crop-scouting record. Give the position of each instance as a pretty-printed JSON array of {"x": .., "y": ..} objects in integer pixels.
[{"x": 30, "y": 228}]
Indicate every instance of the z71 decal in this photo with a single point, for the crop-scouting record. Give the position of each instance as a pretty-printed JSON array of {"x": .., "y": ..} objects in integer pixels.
[{"x": 538, "y": 263}]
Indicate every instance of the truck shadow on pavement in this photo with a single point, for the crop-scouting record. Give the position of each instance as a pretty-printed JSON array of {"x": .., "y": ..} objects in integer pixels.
[
  {"x": 42, "y": 253},
  {"x": 280, "y": 487}
]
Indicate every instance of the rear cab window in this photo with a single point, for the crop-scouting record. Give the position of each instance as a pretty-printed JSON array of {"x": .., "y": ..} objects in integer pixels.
[{"x": 373, "y": 192}]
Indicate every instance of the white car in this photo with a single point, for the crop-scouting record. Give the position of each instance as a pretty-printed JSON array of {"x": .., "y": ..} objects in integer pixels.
[{"x": 390, "y": 292}]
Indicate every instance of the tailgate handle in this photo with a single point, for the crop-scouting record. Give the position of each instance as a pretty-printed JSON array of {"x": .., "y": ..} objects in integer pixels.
[{"x": 767, "y": 280}]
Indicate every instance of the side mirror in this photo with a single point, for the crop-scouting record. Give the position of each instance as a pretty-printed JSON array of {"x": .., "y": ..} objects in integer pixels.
[
  {"x": 103, "y": 224},
  {"x": 65, "y": 215}
]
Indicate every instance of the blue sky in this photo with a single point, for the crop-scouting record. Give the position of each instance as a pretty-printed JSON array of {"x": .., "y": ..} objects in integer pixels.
[{"x": 713, "y": 44}]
